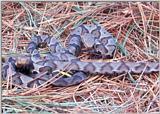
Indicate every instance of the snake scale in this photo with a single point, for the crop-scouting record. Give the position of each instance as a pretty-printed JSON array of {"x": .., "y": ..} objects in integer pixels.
[{"x": 36, "y": 69}]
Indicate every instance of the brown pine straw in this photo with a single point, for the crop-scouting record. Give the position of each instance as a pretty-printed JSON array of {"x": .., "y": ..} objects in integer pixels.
[{"x": 135, "y": 25}]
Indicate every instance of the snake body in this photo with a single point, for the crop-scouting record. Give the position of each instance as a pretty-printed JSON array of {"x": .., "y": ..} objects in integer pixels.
[{"x": 26, "y": 70}]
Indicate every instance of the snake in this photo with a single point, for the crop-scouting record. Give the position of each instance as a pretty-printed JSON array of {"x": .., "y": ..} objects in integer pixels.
[{"x": 53, "y": 66}]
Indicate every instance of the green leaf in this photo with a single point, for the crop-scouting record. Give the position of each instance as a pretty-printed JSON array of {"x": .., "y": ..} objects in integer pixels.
[
  {"x": 77, "y": 8},
  {"x": 122, "y": 49},
  {"x": 81, "y": 21}
]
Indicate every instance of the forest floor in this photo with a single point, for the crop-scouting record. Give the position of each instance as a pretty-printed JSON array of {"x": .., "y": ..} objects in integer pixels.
[{"x": 135, "y": 25}]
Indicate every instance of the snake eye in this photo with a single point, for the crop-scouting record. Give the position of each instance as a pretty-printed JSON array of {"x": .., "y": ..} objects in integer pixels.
[
  {"x": 34, "y": 72},
  {"x": 42, "y": 45}
]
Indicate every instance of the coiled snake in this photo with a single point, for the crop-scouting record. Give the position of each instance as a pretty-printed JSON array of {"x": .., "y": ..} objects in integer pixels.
[{"x": 26, "y": 70}]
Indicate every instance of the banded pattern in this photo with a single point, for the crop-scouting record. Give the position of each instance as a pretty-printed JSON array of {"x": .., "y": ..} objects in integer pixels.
[{"x": 35, "y": 69}]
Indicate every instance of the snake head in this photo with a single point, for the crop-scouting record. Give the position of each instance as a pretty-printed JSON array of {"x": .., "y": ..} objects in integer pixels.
[
  {"x": 44, "y": 41},
  {"x": 22, "y": 60},
  {"x": 41, "y": 41},
  {"x": 88, "y": 40},
  {"x": 24, "y": 64}
]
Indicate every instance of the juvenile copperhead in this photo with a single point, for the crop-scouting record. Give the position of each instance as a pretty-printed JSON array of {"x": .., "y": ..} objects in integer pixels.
[{"x": 94, "y": 37}]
